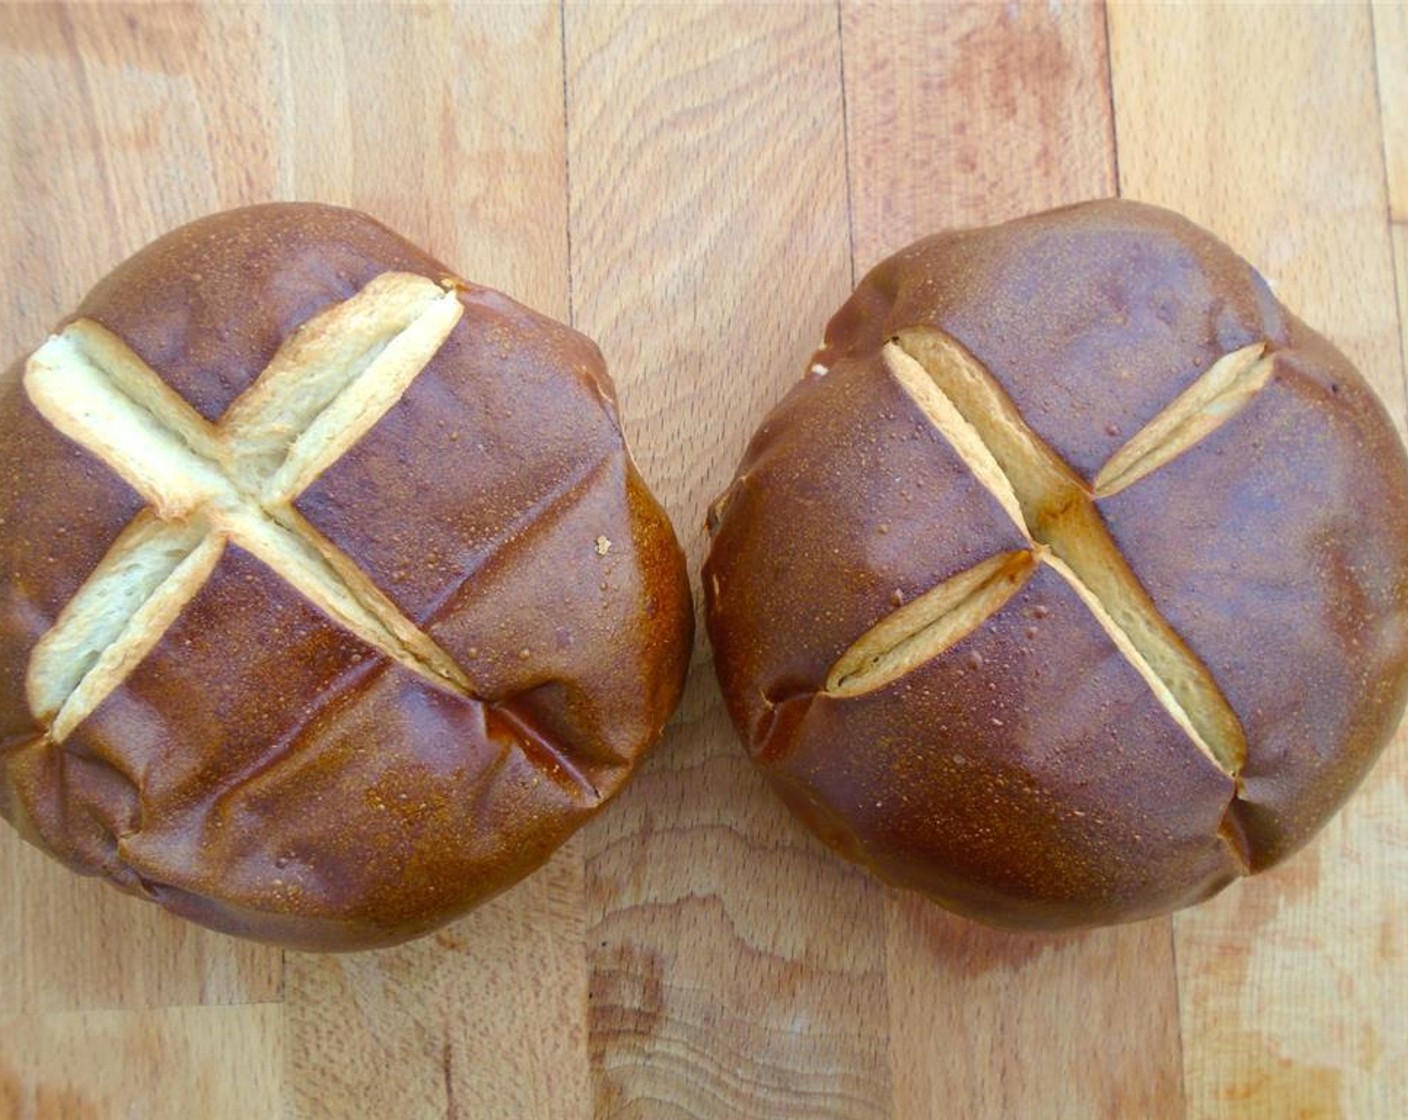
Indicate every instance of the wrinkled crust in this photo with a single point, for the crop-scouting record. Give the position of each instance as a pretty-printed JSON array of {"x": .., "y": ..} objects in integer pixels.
[
  {"x": 479, "y": 793},
  {"x": 1308, "y": 634},
  {"x": 826, "y": 531},
  {"x": 558, "y": 655},
  {"x": 529, "y": 427},
  {"x": 1043, "y": 800},
  {"x": 1244, "y": 489},
  {"x": 451, "y": 807},
  {"x": 185, "y": 781}
]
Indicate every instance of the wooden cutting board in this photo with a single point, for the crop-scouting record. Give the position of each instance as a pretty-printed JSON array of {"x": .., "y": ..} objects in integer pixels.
[{"x": 697, "y": 188}]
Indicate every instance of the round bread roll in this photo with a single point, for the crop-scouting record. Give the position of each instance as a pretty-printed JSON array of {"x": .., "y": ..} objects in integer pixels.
[
  {"x": 332, "y": 600},
  {"x": 1071, "y": 583}
]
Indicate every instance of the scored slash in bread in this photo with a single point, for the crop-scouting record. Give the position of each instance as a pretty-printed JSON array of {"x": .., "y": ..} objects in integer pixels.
[
  {"x": 305, "y": 630},
  {"x": 1072, "y": 582}
]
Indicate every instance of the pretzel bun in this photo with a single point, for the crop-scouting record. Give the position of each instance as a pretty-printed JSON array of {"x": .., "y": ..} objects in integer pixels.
[
  {"x": 332, "y": 600},
  {"x": 1071, "y": 583}
]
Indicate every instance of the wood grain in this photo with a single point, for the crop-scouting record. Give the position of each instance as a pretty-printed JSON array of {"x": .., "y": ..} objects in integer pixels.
[
  {"x": 68, "y": 944},
  {"x": 1391, "y": 48},
  {"x": 218, "y": 1063},
  {"x": 483, "y": 1019},
  {"x": 1293, "y": 984},
  {"x": 736, "y": 969},
  {"x": 1006, "y": 111},
  {"x": 443, "y": 120}
]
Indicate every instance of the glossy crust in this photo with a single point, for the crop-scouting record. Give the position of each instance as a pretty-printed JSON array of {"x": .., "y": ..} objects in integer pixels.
[
  {"x": 264, "y": 772},
  {"x": 1027, "y": 776}
]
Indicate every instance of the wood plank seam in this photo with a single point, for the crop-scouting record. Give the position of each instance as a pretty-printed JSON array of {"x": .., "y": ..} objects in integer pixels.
[
  {"x": 1119, "y": 191},
  {"x": 1389, "y": 29},
  {"x": 1181, "y": 1058},
  {"x": 110, "y": 193},
  {"x": 1390, "y": 199},
  {"x": 1110, "y": 95},
  {"x": 846, "y": 140},
  {"x": 1398, "y": 234},
  {"x": 567, "y": 164}
]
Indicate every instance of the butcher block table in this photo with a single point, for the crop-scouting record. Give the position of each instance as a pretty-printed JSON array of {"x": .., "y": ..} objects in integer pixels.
[{"x": 697, "y": 188}]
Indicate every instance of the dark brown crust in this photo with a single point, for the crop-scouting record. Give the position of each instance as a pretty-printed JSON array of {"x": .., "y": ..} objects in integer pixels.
[
  {"x": 825, "y": 530},
  {"x": 263, "y": 771},
  {"x": 1050, "y": 798},
  {"x": 1301, "y": 610},
  {"x": 1277, "y": 548},
  {"x": 1092, "y": 317}
]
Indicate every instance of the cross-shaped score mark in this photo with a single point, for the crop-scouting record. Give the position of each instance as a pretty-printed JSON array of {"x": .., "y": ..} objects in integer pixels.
[
  {"x": 234, "y": 481},
  {"x": 1056, "y": 512}
]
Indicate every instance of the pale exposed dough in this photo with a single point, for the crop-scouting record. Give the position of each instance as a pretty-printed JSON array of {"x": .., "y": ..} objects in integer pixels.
[
  {"x": 1202, "y": 408},
  {"x": 330, "y": 382},
  {"x": 930, "y": 624},
  {"x": 961, "y": 435},
  {"x": 136, "y": 568},
  {"x": 1054, "y": 508},
  {"x": 69, "y": 381},
  {"x": 1163, "y": 681},
  {"x": 365, "y": 398},
  {"x": 141, "y": 631}
]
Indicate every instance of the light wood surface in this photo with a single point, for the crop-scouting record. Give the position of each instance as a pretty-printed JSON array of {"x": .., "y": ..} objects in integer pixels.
[
  {"x": 1295, "y": 985},
  {"x": 1391, "y": 43},
  {"x": 697, "y": 188}
]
